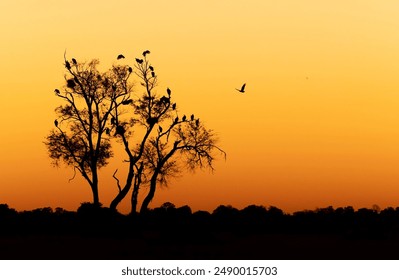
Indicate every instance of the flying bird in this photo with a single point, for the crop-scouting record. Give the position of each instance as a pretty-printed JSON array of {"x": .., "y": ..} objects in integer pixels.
[
  {"x": 121, "y": 56},
  {"x": 242, "y": 90},
  {"x": 146, "y": 52}
]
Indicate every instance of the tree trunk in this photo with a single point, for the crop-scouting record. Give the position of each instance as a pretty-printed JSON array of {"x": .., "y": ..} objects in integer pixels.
[
  {"x": 151, "y": 193},
  {"x": 121, "y": 195},
  {"x": 94, "y": 188}
]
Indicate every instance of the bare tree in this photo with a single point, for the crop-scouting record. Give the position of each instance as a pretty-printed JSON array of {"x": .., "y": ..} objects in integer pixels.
[
  {"x": 155, "y": 158},
  {"x": 185, "y": 143},
  {"x": 84, "y": 124},
  {"x": 147, "y": 111}
]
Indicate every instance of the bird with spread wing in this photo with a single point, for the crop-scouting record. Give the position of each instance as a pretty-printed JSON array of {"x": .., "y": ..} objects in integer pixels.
[{"x": 242, "y": 90}]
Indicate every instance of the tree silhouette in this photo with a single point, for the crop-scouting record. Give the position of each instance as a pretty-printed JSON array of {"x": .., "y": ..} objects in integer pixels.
[
  {"x": 81, "y": 138},
  {"x": 193, "y": 145},
  {"x": 155, "y": 158}
]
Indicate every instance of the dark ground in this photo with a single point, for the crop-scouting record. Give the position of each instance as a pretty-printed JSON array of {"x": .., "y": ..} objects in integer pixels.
[{"x": 176, "y": 233}]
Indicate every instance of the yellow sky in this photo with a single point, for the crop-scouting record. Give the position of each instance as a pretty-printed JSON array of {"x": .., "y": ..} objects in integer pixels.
[{"x": 318, "y": 126}]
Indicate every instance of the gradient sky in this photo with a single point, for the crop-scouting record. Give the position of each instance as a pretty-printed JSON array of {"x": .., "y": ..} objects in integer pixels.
[{"x": 318, "y": 125}]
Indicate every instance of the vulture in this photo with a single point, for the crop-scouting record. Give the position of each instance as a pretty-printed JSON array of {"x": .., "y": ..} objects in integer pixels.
[
  {"x": 146, "y": 52},
  {"x": 127, "y": 102},
  {"x": 56, "y": 123},
  {"x": 139, "y": 61},
  {"x": 74, "y": 61},
  {"x": 71, "y": 83},
  {"x": 242, "y": 90},
  {"x": 121, "y": 56}
]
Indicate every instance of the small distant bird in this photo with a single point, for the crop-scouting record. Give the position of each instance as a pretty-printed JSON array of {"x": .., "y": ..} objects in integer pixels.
[
  {"x": 130, "y": 69},
  {"x": 67, "y": 65},
  {"x": 174, "y": 106},
  {"x": 139, "y": 61},
  {"x": 160, "y": 129},
  {"x": 56, "y": 123},
  {"x": 197, "y": 122},
  {"x": 146, "y": 52},
  {"x": 184, "y": 118},
  {"x": 121, "y": 56},
  {"x": 153, "y": 74},
  {"x": 151, "y": 68},
  {"x": 168, "y": 91},
  {"x": 74, "y": 61},
  {"x": 107, "y": 131},
  {"x": 57, "y": 91},
  {"x": 242, "y": 90},
  {"x": 192, "y": 117},
  {"x": 176, "y": 119}
]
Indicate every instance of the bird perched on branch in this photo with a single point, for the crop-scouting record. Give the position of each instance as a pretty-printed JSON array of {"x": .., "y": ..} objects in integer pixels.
[
  {"x": 121, "y": 56},
  {"x": 71, "y": 83},
  {"x": 74, "y": 61},
  {"x": 242, "y": 90},
  {"x": 56, "y": 123},
  {"x": 57, "y": 91},
  {"x": 146, "y": 52},
  {"x": 127, "y": 102},
  {"x": 151, "y": 68},
  {"x": 130, "y": 69},
  {"x": 139, "y": 61},
  {"x": 168, "y": 91}
]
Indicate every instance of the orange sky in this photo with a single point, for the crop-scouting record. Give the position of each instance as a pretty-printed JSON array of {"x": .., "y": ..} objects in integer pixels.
[{"x": 318, "y": 126}]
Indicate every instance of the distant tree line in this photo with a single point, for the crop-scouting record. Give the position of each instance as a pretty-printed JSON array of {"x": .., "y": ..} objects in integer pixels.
[{"x": 180, "y": 222}]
